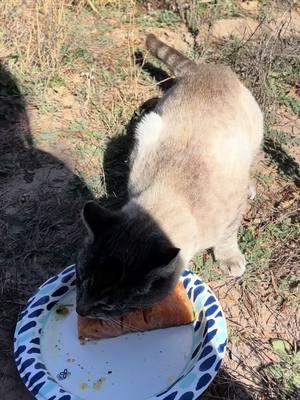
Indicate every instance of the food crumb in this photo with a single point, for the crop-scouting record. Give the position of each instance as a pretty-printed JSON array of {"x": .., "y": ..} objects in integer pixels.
[
  {"x": 63, "y": 309},
  {"x": 83, "y": 386},
  {"x": 83, "y": 340},
  {"x": 98, "y": 384},
  {"x": 109, "y": 372},
  {"x": 71, "y": 360}
]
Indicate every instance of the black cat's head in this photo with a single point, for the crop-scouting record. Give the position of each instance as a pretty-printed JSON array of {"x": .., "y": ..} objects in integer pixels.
[{"x": 127, "y": 263}]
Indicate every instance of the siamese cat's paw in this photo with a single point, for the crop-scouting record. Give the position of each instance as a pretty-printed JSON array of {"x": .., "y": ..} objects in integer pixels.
[{"x": 234, "y": 265}]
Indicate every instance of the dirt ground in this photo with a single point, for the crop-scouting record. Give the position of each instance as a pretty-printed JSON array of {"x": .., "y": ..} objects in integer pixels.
[{"x": 73, "y": 82}]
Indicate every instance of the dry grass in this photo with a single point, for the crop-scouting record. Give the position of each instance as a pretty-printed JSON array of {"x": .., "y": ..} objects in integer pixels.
[{"x": 37, "y": 38}]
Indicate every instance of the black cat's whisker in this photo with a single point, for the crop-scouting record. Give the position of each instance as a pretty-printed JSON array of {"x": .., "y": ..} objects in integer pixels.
[{"x": 125, "y": 325}]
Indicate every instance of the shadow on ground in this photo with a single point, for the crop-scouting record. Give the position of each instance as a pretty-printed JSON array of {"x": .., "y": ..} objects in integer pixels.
[
  {"x": 40, "y": 229},
  {"x": 285, "y": 163},
  {"x": 225, "y": 387}
]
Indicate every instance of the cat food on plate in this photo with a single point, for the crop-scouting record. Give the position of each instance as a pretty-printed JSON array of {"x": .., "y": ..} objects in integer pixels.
[{"x": 176, "y": 309}]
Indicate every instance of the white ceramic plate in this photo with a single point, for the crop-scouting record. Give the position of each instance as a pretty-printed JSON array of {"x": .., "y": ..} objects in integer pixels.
[{"x": 167, "y": 364}]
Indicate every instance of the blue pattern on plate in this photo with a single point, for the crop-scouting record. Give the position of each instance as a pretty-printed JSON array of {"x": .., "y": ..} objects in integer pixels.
[
  {"x": 51, "y": 305},
  {"x": 187, "y": 396},
  {"x": 36, "y": 313},
  {"x": 206, "y": 355},
  {"x": 204, "y": 381},
  {"x": 26, "y": 377},
  {"x": 208, "y": 363},
  {"x": 33, "y": 350},
  {"x": 27, "y": 326},
  {"x": 40, "y": 301},
  {"x": 211, "y": 310},
  {"x": 19, "y": 350},
  {"x": 198, "y": 290},
  {"x": 218, "y": 365},
  {"x": 171, "y": 396},
  {"x": 222, "y": 346},
  {"x": 210, "y": 336},
  {"x": 59, "y": 292},
  {"x": 39, "y": 365},
  {"x": 197, "y": 326},
  {"x": 36, "y": 378},
  {"x": 210, "y": 301},
  {"x": 26, "y": 364},
  {"x": 186, "y": 282},
  {"x": 207, "y": 350},
  {"x": 66, "y": 278},
  {"x": 51, "y": 280}
]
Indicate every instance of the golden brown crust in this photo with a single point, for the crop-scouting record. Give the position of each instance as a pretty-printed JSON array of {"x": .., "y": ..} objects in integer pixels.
[{"x": 176, "y": 309}]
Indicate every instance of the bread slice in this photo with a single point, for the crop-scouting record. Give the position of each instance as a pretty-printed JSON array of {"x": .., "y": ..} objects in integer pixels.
[{"x": 176, "y": 309}]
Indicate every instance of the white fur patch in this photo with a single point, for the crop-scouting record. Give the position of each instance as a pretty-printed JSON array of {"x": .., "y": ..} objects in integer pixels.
[{"x": 148, "y": 130}]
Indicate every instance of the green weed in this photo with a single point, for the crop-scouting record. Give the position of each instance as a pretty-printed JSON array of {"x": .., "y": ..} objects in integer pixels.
[
  {"x": 99, "y": 136},
  {"x": 279, "y": 136},
  {"x": 255, "y": 245},
  {"x": 258, "y": 242},
  {"x": 158, "y": 18},
  {"x": 46, "y": 106},
  {"x": 56, "y": 81},
  {"x": 106, "y": 76},
  {"x": 196, "y": 13},
  {"x": 111, "y": 118},
  {"x": 73, "y": 55},
  {"x": 168, "y": 18},
  {"x": 281, "y": 92},
  {"x": 77, "y": 126},
  {"x": 266, "y": 179},
  {"x": 285, "y": 372},
  {"x": 204, "y": 266}
]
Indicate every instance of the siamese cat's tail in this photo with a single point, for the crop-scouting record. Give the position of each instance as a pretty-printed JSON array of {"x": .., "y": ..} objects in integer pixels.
[{"x": 174, "y": 60}]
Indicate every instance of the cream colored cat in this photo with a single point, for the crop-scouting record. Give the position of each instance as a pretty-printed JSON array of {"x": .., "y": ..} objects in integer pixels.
[{"x": 190, "y": 169}]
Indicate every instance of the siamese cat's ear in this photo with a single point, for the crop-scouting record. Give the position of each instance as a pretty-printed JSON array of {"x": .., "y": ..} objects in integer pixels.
[{"x": 97, "y": 219}]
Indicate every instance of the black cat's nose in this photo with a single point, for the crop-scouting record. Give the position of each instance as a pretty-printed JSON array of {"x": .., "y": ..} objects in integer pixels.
[{"x": 81, "y": 310}]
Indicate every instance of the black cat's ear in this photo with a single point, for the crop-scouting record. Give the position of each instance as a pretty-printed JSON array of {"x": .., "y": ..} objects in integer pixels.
[
  {"x": 167, "y": 255},
  {"x": 163, "y": 255},
  {"x": 96, "y": 218},
  {"x": 162, "y": 265}
]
